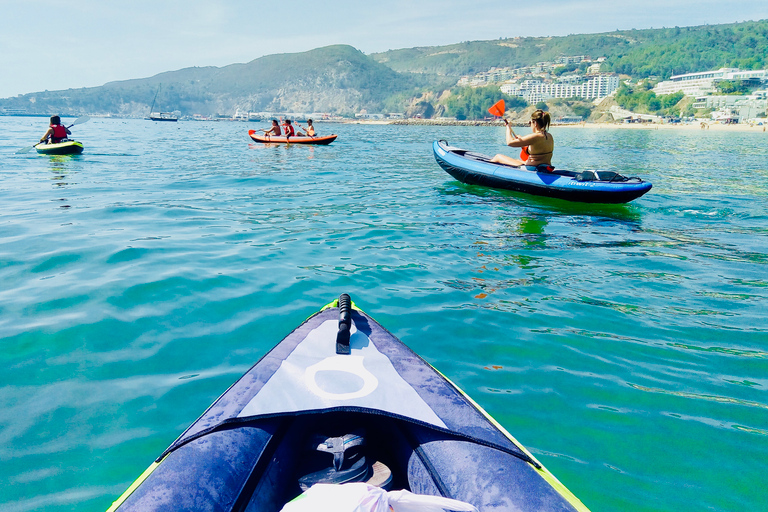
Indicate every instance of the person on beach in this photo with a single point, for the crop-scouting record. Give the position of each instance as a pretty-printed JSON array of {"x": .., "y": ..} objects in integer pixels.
[
  {"x": 310, "y": 131},
  {"x": 57, "y": 132},
  {"x": 288, "y": 128},
  {"x": 275, "y": 130},
  {"x": 540, "y": 143}
]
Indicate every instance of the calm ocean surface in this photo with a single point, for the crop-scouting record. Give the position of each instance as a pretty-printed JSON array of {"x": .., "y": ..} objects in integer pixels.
[{"x": 626, "y": 346}]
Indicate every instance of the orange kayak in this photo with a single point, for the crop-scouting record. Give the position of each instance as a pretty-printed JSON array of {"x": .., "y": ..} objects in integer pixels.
[{"x": 296, "y": 139}]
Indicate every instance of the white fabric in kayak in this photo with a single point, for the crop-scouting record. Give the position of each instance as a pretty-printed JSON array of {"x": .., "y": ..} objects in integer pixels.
[{"x": 314, "y": 377}]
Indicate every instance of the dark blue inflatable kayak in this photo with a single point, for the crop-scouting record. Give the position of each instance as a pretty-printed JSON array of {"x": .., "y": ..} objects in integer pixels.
[
  {"x": 588, "y": 186},
  {"x": 339, "y": 400}
]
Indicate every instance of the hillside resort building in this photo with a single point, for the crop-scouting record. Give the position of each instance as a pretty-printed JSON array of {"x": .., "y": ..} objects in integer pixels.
[
  {"x": 536, "y": 83},
  {"x": 703, "y": 86},
  {"x": 705, "y": 82},
  {"x": 533, "y": 91}
]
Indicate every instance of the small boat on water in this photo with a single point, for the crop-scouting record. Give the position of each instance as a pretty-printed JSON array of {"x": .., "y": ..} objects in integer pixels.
[
  {"x": 341, "y": 400},
  {"x": 296, "y": 139},
  {"x": 591, "y": 186},
  {"x": 163, "y": 116},
  {"x": 160, "y": 116},
  {"x": 65, "y": 147}
]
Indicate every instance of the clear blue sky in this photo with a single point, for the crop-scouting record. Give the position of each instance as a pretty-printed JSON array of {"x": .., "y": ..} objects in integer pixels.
[{"x": 56, "y": 44}]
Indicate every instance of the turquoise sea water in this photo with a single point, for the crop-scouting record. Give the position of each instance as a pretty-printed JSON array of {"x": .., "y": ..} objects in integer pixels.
[{"x": 626, "y": 346}]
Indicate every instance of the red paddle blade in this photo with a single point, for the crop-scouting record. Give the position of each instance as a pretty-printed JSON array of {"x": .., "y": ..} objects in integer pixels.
[
  {"x": 498, "y": 109},
  {"x": 524, "y": 153}
]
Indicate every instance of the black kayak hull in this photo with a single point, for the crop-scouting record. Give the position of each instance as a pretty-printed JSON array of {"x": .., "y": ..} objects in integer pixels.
[{"x": 68, "y": 147}]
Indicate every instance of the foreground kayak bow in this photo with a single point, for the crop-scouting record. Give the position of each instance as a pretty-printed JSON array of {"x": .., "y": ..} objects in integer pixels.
[{"x": 340, "y": 399}]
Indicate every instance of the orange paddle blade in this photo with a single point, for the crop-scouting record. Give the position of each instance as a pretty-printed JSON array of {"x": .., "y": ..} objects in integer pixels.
[
  {"x": 498, "y": 109},
  {"x": 524, "y": 153}
]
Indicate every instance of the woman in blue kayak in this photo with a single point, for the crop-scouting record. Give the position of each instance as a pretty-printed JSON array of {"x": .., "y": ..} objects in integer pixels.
[
  {"x": 57, "y": 132},
  {"x": 539, "y": 144}
]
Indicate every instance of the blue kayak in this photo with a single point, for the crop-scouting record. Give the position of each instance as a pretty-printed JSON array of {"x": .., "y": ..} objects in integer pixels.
[
  {"x": 591, "y": 186},
  {"x": 341, "y": 400}
]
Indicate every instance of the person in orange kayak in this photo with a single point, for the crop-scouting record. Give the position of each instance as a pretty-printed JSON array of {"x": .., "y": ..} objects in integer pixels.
[
  {"x": 275, "y": 130},
  {"x": 288, "y": 128},
  {"x": 540, "y": 144},
  {"x": 57, "y": 132},
  {"x": 310, "y": 131}
]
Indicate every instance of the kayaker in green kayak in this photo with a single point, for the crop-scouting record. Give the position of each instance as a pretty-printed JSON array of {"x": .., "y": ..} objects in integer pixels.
[{"x": 57, "y": 132}]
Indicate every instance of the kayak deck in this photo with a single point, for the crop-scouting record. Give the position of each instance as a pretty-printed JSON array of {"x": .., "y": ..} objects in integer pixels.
[{"x": 342, "y": 375}]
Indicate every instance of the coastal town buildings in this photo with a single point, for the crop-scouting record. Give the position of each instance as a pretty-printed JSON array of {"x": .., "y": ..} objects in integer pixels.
[
  {"x": 534, "y": 91},
  {"x": 539, "y": 82},
  {"x": 731, "y": 107},
  {"x": 705, "y": 82},
  {"x": 735, "y": 106}
]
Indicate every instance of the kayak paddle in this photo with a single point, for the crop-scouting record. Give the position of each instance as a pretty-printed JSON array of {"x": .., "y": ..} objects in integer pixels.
[
  {"x": 79, "y": 120},
  {"x": 498, "y": 110}
]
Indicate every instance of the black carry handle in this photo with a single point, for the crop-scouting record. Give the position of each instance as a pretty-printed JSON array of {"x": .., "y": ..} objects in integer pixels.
[{"x": 345, "y": 323}]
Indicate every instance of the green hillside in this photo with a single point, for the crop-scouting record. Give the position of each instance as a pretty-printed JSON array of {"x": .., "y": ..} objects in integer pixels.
[
  {"x": 639, "y": 53},
  {"x": 342, "y": 80},
  {"x": 337, "y": 79}
]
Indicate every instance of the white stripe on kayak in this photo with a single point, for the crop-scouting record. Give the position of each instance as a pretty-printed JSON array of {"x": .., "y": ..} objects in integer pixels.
[{"x": 313, "y": 377}]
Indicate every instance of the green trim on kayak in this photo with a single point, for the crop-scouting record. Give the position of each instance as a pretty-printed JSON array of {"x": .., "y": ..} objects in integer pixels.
[
  {"x": 119, "y": 501},
  {"x": 543, "y": 472}
]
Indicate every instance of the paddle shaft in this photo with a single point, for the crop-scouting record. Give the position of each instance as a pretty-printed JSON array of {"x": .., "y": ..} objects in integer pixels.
[{"x": 510, "y": 128}]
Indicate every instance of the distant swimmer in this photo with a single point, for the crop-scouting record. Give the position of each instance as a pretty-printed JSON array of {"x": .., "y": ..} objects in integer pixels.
[
  {"x": 275, "y": 130},
  {"x": 57, "y": 132},
  {"x": 310, "y": 131}
]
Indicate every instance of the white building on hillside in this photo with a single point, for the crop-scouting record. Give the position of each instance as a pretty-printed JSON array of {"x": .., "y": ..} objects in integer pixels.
[
  {"x": 743, "y": 106},
  {"x": 700, "y": 84},
  {"x": 534, "y": 91}
]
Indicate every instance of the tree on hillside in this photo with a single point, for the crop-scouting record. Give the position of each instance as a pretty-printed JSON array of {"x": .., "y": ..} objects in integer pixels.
[
  {"x": 473, "y": 103},
  {"x": 732, "y": 87},
  {"x": 642, "y": 100}
]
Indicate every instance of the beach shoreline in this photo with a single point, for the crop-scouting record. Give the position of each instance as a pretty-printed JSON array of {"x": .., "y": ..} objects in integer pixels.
[{"x": 698, "y": 125}]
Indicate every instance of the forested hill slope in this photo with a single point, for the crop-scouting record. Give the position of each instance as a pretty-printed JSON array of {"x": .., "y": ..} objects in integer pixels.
[
  {"x": 336, "y": 78},
  {"x": 638, "y": 53},
  {"x": 340, "y": 79}
]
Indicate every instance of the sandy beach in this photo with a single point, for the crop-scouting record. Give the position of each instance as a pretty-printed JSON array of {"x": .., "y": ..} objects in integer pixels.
[
  {"x": 571, "y": 126},
  {"x": 667, "y": 126}
]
